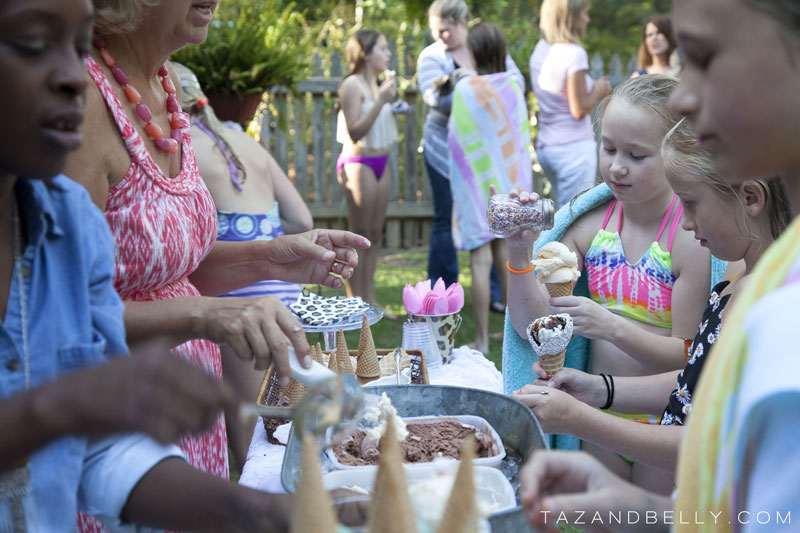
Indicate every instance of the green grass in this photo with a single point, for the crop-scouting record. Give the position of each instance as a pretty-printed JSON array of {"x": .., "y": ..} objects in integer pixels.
[{"x": 393, "y": 272}]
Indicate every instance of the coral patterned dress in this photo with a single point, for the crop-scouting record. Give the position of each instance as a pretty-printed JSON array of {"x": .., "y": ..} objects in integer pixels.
[{"x": 163, "y": 228}]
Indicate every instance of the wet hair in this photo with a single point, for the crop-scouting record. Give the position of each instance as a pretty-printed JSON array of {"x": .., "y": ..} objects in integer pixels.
[
  {"x": 194, "y": 102},
  {"x": 684, "y": 156},
  {"x": 114, "y": 17},
  {"x": 559, "y": 19},
  {"x": 649, "y": 92},
  {"x": 452, "y": 11},
  {"x": 489, "y": 48},
  {"x": 664, "y": 25},
  {"x": 358, "y": 47}
]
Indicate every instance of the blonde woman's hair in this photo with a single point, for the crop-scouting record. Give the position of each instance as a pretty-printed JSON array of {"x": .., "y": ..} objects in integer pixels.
[
  {"x": 559, "y": 19},
  {"x": 684, "y": 156},
  {"x": 113, "y": 17},
  {"x": 652, "y": 92},
  {"x": 453, "y": 11},
  {"x": 194, "y": 102}
]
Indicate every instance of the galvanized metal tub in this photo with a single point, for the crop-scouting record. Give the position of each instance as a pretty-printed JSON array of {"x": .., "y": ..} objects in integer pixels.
[{"x": 514, "y": 422}]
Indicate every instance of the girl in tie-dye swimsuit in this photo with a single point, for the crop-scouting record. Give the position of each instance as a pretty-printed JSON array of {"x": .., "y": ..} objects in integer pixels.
[{"x": 636, "y": 314}]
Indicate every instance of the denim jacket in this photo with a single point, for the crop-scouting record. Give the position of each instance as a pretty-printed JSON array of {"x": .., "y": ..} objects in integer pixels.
[{"x": 74, "y": 320}]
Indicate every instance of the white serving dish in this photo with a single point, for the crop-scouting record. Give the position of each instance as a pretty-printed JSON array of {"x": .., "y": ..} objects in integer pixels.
[
  {"x": 480, "y": 423},
  {"x": 491, "y": 486}
]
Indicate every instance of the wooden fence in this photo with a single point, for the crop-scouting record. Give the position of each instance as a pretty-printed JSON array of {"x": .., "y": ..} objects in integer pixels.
[{"x": 300, "y": 132}]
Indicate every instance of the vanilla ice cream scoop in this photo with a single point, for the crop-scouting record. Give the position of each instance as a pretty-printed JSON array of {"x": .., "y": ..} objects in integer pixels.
[{"x": 555, "y": 263}]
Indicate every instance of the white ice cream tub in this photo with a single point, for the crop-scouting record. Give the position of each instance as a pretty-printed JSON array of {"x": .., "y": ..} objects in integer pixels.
[{"x": 480, "y": 423}]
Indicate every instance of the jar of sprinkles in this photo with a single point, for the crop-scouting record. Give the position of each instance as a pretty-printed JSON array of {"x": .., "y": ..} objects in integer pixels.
[{"x": 508, "y": 216}]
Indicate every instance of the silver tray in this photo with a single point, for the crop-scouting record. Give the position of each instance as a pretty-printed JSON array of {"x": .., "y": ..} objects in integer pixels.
[{"x": 514, "y": 422}]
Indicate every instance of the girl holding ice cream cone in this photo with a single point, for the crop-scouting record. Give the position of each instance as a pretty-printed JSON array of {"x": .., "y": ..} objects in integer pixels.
[
  {"x": 736, "y": 223},
  {"x": 647, "y": 277}
]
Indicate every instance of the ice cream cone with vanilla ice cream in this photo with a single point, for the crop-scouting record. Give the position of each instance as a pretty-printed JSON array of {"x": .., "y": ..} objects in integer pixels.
[
  {"x": 557, "y": 267},
  {"x": 390, "y": 509},
  {"x": 549, "y": 336},
  {"x": 313, "y": 509},
  {"x": 461, "y": 513}
]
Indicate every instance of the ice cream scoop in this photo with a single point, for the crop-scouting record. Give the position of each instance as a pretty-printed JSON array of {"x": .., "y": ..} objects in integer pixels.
[{"x": 555, "y": 263}]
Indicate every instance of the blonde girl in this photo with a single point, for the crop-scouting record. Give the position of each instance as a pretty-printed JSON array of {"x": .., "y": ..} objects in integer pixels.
[
  {"x": 736, "y": 224},
  {"x": 648, "y": 279},
  {"x": 740, "y": 454}
]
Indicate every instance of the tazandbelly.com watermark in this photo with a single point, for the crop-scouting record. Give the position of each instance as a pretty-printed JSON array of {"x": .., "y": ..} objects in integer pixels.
[{"x": 667, "y": 518}]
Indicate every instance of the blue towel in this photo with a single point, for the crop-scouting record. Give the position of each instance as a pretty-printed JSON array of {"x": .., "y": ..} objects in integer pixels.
[{"x": 518, "y": 356}]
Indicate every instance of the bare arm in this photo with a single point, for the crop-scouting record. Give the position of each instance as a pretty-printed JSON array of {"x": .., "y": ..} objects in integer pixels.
[
  {"x": 295, "y": 215},
  {"x": 175, "y": 496},
  {"x": 580, "y": 102},
  {"x": 558, "y": 412}
]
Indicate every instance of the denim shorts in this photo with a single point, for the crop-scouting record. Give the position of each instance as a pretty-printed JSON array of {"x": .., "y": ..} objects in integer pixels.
[{"x": 571, "y": 168}]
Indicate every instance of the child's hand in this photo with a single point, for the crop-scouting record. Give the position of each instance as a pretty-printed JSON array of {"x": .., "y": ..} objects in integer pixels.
[
  {"x": 554, "y": 408},
  {"x": 589, "y": 318},
  {"x": 520, "y": 245},
  {"x": 579, "y": 385}
]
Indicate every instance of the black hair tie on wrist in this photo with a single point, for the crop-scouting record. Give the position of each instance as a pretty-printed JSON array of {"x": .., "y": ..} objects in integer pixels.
[{"x": 609, "y": 390}]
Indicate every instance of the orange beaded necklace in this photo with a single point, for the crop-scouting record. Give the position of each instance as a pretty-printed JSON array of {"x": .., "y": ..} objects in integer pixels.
[{"x": 167, "y": 144}]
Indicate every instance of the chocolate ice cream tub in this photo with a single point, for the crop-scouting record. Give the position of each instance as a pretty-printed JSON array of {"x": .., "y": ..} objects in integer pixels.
[{"x": 420, "y": 454}]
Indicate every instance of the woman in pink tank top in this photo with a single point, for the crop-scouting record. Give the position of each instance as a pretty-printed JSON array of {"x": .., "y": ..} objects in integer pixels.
[{"x": 138, "y": 165}]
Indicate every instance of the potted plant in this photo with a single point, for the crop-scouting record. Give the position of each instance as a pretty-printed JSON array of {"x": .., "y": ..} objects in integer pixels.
[{"x": 252, "y": 45}]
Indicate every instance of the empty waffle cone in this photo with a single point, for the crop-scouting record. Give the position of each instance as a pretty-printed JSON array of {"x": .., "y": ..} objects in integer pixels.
[
  {"x": 390, "y": 509},
  {"x": 316, "y": 353},
  {"x": 552, "y": 364},
  {"x": 313, "y": 509},
  {"x": 343, "y": 355},
  {"x": 294, "y": 391},
  {"x": 367, "y": 366},
  {"x": 559, "y": 289},
  {"x": 332, "y": 365},
  {"x": 460, "y": 513}
]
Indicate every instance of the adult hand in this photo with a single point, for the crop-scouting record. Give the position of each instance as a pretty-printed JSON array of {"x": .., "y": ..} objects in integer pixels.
[
  {"x": 554, "y": 408},
  {"x": 315, "y": 256},
  {"x": 580, "y": 385},
  {"x": 387, "y": 90},
  {"x": 259, "y": 329},
  {"x": 351, "y": 507},
  {"x": 574, "y": 486},
  {"x": 589, "y": 318},
  {"x": 152, "y": 392},
  {"x": 602, "y": 88},
  {"x": 461, "y": 73}
]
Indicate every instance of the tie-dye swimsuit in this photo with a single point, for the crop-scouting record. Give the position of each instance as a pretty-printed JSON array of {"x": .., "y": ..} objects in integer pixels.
[{"x": 641, "y": 290}]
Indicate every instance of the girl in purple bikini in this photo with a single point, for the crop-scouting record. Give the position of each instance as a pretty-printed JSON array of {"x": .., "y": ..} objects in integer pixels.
[{"x": 366, "y": 128}]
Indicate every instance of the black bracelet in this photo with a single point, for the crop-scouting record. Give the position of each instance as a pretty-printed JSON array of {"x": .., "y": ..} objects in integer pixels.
[
  {"x": 611, "y": 401},
  {"x": 609, "y": 394}
]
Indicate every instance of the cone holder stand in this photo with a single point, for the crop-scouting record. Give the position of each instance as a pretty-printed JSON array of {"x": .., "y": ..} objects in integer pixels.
[{"x": 374, "y": 314}]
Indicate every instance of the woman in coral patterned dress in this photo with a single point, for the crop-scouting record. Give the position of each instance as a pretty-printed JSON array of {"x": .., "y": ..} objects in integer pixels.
[{"x": 163, "y": 219}]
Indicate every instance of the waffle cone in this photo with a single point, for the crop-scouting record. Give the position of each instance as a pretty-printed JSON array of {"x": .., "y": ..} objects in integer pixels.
[
  {"x": 343, "y": 355},
  {"x": 559, "y": 289},
  {"x": 390, "y": 509},
  {"x": 316, "y": 353},
  {"x": 294, "y": 391},
  {"x": 460, "y": 513},
  {"x": 552, "y": 364},
  {"x": 332, "y": 365},
  {"x": 367, "y": 365},
  {"x": 313, "y": 509}
]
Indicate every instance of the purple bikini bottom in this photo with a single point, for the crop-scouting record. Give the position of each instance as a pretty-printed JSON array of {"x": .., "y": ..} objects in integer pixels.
[{"x": 376, "y": 163}]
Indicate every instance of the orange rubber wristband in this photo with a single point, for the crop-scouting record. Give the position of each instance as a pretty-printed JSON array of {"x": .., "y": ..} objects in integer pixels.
[{"x": 508, "y": 266}]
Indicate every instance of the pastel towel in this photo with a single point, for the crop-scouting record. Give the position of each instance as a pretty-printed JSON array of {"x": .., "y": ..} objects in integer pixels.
[
  {"x": 489, "y": 138},
  {"x": 518, "y": 355}
]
